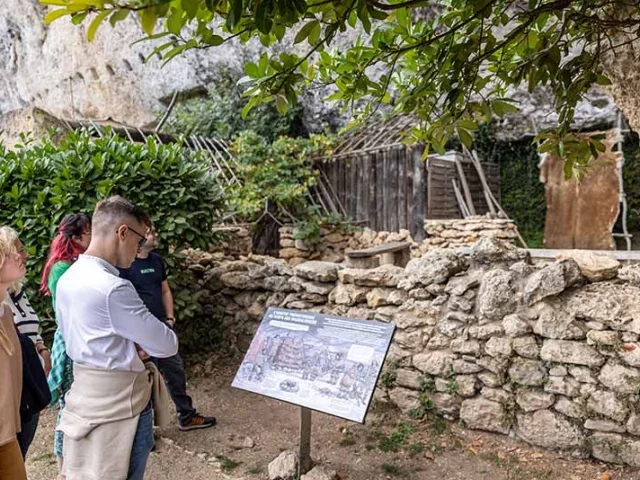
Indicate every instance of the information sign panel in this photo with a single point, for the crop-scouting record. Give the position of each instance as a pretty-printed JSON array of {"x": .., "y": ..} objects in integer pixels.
[{"x": 323, "y": 362}]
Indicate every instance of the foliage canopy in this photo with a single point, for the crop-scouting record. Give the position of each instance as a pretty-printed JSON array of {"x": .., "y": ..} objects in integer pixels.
[{"x": 450, "y": 64}]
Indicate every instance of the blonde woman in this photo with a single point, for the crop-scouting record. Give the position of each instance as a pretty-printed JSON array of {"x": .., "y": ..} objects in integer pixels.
[{"x": 12, "y": 269}]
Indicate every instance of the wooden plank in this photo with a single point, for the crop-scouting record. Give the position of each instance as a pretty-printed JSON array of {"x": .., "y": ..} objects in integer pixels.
[
  {"x": 378, "y": 249},
  {"x": 394, "y": 224},
  {"x": 340, "y": 183},
  {"x": 419, "y": 195},
  {"x": 402, "y": 189},
  {"x": 408, "y": 166},
  {"x": 371, "y": 162},
  {"x": 379, "y": 191},
  {"x": 385, "y": 192},
  {"x": 355, "y": 190},
  {"x": 363, "y": 180}
]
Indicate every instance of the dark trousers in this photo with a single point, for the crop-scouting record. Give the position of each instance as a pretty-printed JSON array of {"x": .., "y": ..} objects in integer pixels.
[
  {"x": 28, "y": 432},
  {"x": 172, "y": 369}
]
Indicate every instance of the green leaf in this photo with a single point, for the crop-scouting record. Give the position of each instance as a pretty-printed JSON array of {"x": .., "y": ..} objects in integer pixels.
[
  {"x": 93, "y": 27},
  {"x": 148, "y": 19},
  {"x": 118, "y": 16},
  {"x": 282, "y": 105},
  {"x": 55, "y": 14},
  {"x": 235, "y": 14},
  {"x": 465, "y": 137},
  {"x": 304, "y": 32},
  {"x": 176, "y": 21}
]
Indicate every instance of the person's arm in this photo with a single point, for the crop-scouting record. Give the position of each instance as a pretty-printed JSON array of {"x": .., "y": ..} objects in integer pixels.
[
  {"x": 167, "y": 303},
  {"x": 131, "y": 319}
]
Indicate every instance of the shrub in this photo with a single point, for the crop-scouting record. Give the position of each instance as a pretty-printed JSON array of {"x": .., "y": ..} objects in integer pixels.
[
  {"x": 40, "y": 183},
  {"x": 280, "y": 171},
  {"x": 219, "y": 113}
]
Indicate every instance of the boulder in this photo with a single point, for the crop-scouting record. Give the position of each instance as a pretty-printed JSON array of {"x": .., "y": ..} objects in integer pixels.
[
  {"x": 556, "y": 323},
  {"x": 435, "y": 267},
  {"x": 489, "y": 251},
  {"x": 459, "y": 284},
  {"x": 348, "y": 294},
  {"x": 379, "y": 297},
  {"x": 284, "y": 467},
  {"x": 515, "y": 326},
  {"x": 595, "y": 267},
  {"x": 619, "y": 378},
  {"x": 604, "y": 426},
  {"x": 527, "y": 372},
  {"x": 577, "y": 353},
  {"x": 547, "y": 429},
  {"x": 483, "y": 414},
  {"x": 405, "y": 399},
  {"x": 438, "y": 362},
  {"x": 320, "y": 473},
  {"x": 615, "y": 448},
  {"x": 532, "y": 399},
  {"x": 566, "y": 385},
  {"x": 482, "y": 332},
  {"x": 498, "y": 347},
  {"x": 318, "y": 271},
  {"x": 547, "y": 282},
  {"x": 570, "y": 408},
  {"x": 408, "y": 378},
  {"x": 496, "y": 297},
  {"x": 382, "y": 276},
  {"x": 633, "y": 424},
  {"x": 607, "y": 404}
]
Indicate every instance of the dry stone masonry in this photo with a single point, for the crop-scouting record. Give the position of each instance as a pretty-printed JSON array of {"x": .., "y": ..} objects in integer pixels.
[
  {"x": 549, "y": 352},
  {"x": 335, "y": 241}
]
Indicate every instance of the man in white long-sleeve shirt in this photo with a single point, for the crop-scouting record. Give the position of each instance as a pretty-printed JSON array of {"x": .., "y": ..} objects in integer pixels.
[{"x": 105, "y": 324}]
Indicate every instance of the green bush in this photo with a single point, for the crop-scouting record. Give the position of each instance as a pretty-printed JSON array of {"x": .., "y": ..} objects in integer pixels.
[
  {"x": 219, "y": 113},
  {"x": 280, "y": 171},
  {"x": 41, "y": 183}
]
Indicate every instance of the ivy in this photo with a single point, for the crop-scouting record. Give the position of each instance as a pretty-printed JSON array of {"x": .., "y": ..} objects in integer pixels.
[{"x": 522, "y": 193}]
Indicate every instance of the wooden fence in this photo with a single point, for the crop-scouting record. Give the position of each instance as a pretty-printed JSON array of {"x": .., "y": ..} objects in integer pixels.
[{"x": 396, "y": 189}]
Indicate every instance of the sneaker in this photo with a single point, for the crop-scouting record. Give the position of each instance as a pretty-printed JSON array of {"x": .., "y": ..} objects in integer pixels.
[{"x": 198, "y": 421}]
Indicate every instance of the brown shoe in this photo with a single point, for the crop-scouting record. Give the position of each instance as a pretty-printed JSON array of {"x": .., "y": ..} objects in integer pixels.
[{"x": 196, "y": 422}]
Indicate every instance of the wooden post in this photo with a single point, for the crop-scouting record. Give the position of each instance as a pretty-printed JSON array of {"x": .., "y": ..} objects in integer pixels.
[
  {"x": 419, "y": 195},
  {"x": 305, "y": 441}
]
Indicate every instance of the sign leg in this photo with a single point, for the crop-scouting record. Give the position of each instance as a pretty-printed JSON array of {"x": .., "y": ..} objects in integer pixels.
[{"x": 305, "y": 441}]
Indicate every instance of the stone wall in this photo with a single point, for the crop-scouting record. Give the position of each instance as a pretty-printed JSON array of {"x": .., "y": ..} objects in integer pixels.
[
  {"x": 335, "y": 241},
  {"x": 464, "y": 232},
  {"x": 547, "y": 352}
]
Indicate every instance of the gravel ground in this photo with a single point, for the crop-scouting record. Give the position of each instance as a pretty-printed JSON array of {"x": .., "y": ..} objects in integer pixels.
[{"x": 253, "y": 430}]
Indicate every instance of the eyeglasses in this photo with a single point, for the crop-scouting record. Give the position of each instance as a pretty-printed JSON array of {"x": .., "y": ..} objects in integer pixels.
[{"x": 143, "y": 238}]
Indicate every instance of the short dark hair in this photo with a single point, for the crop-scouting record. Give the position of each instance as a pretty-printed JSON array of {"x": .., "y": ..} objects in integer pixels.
[{"x": 114, "y": 211}]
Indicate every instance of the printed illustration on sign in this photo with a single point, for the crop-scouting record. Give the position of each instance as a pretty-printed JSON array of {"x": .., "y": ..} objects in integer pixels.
[{"x": 323, "y": 362}]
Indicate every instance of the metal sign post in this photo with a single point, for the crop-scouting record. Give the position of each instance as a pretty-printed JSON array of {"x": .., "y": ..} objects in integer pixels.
[{"x": 305, "y": 441}]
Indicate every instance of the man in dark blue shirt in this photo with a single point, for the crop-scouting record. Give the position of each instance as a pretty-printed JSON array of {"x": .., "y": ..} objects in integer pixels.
[{"x": 149, "y": 277}]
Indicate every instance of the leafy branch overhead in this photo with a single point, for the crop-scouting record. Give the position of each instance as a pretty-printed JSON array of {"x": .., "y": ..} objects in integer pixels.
[{"x": 451, "y": 64}]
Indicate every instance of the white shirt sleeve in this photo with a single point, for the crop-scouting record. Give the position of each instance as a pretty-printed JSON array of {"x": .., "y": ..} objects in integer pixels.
[{"x": 131, "y": 319}]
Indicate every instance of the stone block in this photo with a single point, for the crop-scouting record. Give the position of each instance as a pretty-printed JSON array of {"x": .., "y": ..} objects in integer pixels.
[
  {"x": 548, "y": 429},
  {"x": 577, "y": 353},
  {"x": 532, "y": 399},
  {"x": 607, "y": 404},
  {"x": 483, "y": 414},
  {"x": 527, "y": 372}
]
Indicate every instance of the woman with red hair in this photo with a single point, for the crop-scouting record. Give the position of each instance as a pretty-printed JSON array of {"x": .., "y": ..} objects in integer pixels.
[{"x": 72, "y": 239}]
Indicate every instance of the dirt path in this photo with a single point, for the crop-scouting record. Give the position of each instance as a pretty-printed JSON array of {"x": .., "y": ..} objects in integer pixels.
[{"x": 253, "y": 430}]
